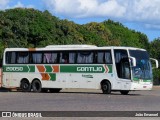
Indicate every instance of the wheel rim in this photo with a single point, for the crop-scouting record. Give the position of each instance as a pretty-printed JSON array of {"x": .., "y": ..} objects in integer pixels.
[
  {"x": 25, "y": 86},
  {"x": 105, "y": 87}
]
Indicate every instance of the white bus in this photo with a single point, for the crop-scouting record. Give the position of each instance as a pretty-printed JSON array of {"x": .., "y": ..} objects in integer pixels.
[{"x": 57, "y": 67}]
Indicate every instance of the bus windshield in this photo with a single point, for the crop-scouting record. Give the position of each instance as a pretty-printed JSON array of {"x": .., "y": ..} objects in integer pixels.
[{"x": 143, "y": 69}]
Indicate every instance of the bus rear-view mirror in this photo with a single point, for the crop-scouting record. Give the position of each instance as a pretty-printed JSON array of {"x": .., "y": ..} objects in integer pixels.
[
  {"x": 132, "y": 61},
  {"x": 154, "y": 63}
]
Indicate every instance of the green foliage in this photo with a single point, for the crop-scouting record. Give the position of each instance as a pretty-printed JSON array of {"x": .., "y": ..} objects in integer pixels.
[
  {"x": 32, "y": 28},
  {"x": 155, "y": 48},
  {"x": 23, "y": 27},
  {"x": 155, "y": 53},
  {"x": 26, "y": 27},
  {"x": 156, "y": 76},
  {"x": 125, "y": 37}
]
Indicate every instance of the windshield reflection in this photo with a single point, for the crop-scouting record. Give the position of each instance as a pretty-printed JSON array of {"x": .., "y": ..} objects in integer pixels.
[{"x": 143, "y": 69}]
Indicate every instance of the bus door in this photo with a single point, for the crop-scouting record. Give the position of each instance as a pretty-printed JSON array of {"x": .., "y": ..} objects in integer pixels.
[{"x": 123, "y": 69}]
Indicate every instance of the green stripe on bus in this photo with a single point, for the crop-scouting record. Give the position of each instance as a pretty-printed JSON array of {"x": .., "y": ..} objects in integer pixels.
[
  {"x": 52, "y": 76},
  {"x": 137, "y": 80},
  {"x": 17, "y": 68},
  {"x": 86, "y": 69},
  {"x": 147, "y": 80},
  {"x": 32, "y": 68},
  {"x": 48, "y": 68},
  {"x": 63, "y": 68},
  {"x": 110, "y": 68}
]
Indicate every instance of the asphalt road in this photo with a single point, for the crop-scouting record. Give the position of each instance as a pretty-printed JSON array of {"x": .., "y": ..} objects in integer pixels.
[{"x": 81, "y": 100}]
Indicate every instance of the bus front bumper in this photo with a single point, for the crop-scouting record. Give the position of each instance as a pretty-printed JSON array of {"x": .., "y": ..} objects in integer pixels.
[{"x": 142, "y": 86}]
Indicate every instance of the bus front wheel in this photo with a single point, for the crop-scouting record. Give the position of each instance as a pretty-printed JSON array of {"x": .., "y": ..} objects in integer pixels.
[
  {"x": 36, "y": 86},
  {"x": 25, "y": 86},
  {"x": 106, "y": 87}
]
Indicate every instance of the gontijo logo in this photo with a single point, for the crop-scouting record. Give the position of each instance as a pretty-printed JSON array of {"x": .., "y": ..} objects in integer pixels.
[
  {"x": 89, "y": 69},
  {"x": 86, "y": 68}
]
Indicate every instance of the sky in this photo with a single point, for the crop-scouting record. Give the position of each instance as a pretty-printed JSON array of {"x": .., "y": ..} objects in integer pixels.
[{"x": 139, "y": 15}]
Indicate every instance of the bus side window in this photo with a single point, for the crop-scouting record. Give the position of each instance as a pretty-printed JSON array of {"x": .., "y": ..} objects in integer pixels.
[
  {"x": 11, "y": 57},
  {"x": 64, "y": 58},
  {"x": 8, "y": 57},
  {"x": 37, "y": 57},
  {"x": 22, "y": 57},
  {"x": 100, "y": 57},
  {"x": 108, "y": 58},
  {"x": 72, "y": 57},
  {"x": 50, "y": 58},
  {"x": 85, "y": 57},
  {"x": 54, "y": 58},
  {"x": 104, "y": 57}
]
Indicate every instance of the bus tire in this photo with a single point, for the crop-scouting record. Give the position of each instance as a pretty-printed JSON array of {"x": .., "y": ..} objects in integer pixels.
[
  {"x": 106, "y": 87},
  {"x": 55, "y": 90},
  {"x": 124, "y": 92},
  {"x": 25, "y": 86},
  {"x": 36, "y": 86}
]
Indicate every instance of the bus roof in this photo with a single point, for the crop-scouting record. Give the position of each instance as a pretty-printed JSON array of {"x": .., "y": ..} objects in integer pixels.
[{"x": 72, "y": 47}]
